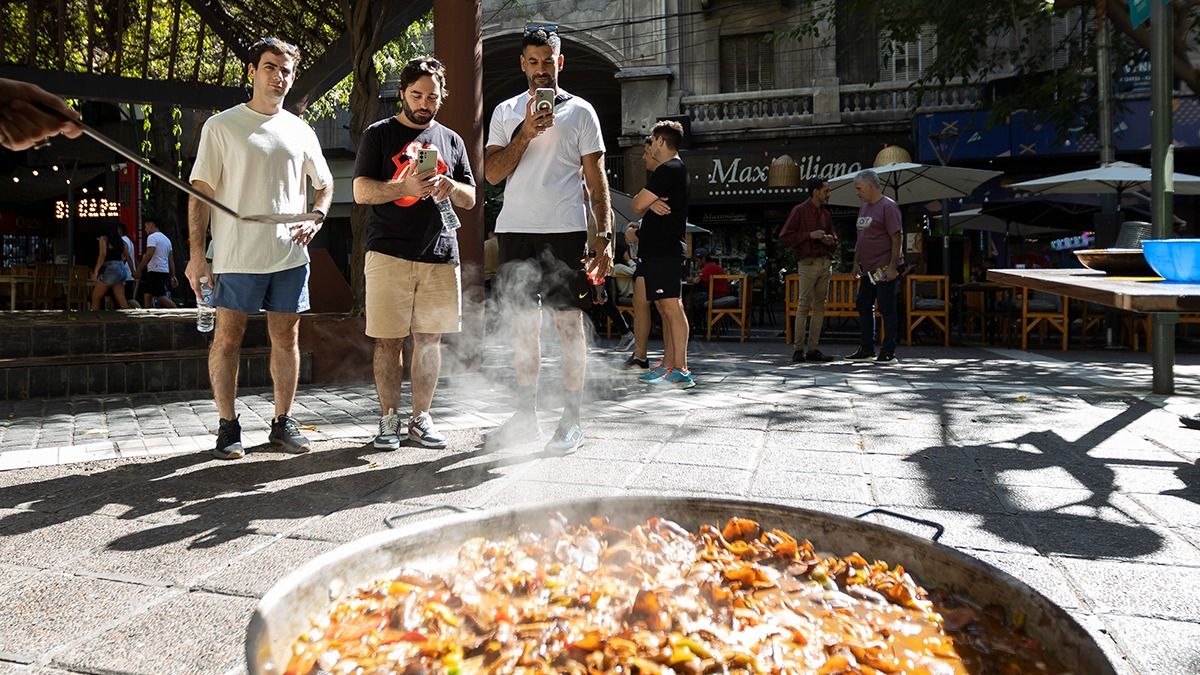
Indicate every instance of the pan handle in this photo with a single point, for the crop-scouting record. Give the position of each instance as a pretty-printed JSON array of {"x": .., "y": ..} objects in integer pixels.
[
  {"x": 390, "y": 521},
  {"x": 938, "y": 528}
]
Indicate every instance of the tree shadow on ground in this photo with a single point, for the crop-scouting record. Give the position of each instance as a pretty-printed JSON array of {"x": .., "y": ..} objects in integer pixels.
[
  {"x": 1084, "y": 526},
  {"x": 215, "y": 502}
]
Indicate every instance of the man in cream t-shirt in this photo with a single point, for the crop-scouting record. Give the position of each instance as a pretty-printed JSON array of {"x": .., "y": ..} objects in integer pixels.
[
  {"x": 257, "y": 158},
  {"x": 550, "y": 160}
]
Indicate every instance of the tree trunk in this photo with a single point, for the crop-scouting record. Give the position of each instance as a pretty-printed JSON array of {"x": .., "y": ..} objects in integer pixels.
[
  {"x": 363, "y": 18},
  {"x": 164, "y": 199}
]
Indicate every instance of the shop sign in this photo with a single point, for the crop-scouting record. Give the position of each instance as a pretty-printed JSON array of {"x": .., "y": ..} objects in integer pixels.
[{"x": 740, "y": 176}]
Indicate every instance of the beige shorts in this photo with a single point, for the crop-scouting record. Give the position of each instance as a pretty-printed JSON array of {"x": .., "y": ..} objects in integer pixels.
[{"x": 411, "y": 297}]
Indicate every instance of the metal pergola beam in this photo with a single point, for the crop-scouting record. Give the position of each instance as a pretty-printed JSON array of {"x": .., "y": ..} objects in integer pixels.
[
  {"x": 97, "y": 87},
  {"x": 334, "y": 63}
]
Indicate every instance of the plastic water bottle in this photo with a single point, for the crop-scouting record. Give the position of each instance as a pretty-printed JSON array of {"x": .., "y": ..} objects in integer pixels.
[
  {"x": 206, "y": 314},
  {"x": 449, "y": 217},
  {"x": 599, "y": 292}
]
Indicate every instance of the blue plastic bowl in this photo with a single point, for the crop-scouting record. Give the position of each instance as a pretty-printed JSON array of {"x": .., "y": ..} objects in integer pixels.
[{"x": 1174, "y": 259}]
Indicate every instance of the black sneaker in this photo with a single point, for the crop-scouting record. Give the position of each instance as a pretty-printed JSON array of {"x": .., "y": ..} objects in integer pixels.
[
  {"x": 229, "y": 440},
  {"x": 285, "y": 434},
  {"x": 522, "y": 427},
  {"x": 1190, "y": 421},
  {"x": 798, "y": 356},
  {"x": 886, "y": 356},
  {"x": 815, "y": 356},
  {"x": 861, "y": 355},
  {"x": 635, "y": 362}
]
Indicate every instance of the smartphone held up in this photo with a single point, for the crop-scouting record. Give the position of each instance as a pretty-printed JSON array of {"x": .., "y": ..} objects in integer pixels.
[{"x": 544, "y": 101}]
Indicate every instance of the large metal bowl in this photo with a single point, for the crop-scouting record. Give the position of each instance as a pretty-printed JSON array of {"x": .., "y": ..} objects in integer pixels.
[{"x": 287, "y": 609}]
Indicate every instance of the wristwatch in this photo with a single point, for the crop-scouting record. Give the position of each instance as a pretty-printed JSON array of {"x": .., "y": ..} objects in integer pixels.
[
  {"x": 315, "y": 210},
  {"x": 606, "y": 235}
]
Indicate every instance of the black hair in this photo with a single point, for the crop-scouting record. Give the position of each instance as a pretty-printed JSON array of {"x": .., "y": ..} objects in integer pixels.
[
  {"x": 670, "y": 131},
  {"x": 542, "y": 37},
  {"x": 424, "y": 66},
  {"x": 815, "y": 184},
  {"x": 275, "y": 46}
]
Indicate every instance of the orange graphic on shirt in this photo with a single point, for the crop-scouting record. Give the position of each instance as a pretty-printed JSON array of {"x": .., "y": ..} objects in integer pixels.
[{"x": 408, "y": 156}]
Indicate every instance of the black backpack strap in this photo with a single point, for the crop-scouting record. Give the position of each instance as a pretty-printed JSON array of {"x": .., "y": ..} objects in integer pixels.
[{"x": 561, "y": 98}]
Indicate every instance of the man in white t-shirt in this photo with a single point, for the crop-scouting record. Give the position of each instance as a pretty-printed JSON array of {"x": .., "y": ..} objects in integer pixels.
[
  {"x": 257, "y": 158},
  {"x": 157, "y": 268},
  {"x": 546, "y": 156}
]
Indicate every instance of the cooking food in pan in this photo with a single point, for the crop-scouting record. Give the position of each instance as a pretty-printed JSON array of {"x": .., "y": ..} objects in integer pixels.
[{"x": 658, "y": 599}]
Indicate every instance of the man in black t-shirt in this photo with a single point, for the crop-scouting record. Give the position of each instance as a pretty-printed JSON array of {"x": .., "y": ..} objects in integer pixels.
[
  {"x": 412, "y": 276},
  {"x": 664, "y": 201}
]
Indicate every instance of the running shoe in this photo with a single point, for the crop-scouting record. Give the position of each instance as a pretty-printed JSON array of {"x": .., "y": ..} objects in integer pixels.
[
  {"x": 229, "y": 440},
  {"x": 885, "y": 356},
  {"x": 862, "y": 355},
  {"x": 522, "y": 427},
  {"x": 421, "y": 430},
  {"x": 567, "y": 437},
  {"x": 285, "y": 435},
  {"x": 681, "y": 379},
  {"x": 389, "y": 432},
  {"x": 653, "y": 375},
  {"x": 626, "y": 343},
  {"x": 815, "y": 356}
]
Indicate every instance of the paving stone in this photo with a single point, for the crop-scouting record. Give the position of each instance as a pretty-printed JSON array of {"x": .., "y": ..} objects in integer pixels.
[
  {"x": 53, "y": 608},
  {"x": 1135, "y": 589},
  {"x": 796, "y": 485},
  {"x": 682, "y": 477},
  {"x": 846, "y": 463},
  {"x": 168, "y": 554},
  {"x": 578, "y": 470},
  {"x": 896, "y": 445},
  {"x": 254, "y": 574},
  {"x": 814, "y": 440},
  {"x": 1158, "y": 646},
  {"x": 717, "y": 456},
  {"x": 527, "y": 492},
  {"x": 1094, "y": 537},
  {"x": 197, "y": 632},
  {"x": 1038, "y": 571},
  {"x": 955, "y": 495},
  {"x": 56, "y": 540}
]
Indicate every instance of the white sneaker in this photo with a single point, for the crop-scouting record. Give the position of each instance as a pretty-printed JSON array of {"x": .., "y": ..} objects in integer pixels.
[
  {"x": 389, "y": 432},
  {"x": 626, "y": 343},
  {"x": 421, "y": 430}
]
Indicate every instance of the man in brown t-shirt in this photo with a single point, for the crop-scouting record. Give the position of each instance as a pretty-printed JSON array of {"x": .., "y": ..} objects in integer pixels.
[{"x": 809, "y": 232}]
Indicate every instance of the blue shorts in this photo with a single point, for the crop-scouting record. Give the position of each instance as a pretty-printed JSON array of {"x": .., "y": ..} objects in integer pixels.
[
  {"x": 285, "y": 291},
  {"x": 114, "y": 273}
]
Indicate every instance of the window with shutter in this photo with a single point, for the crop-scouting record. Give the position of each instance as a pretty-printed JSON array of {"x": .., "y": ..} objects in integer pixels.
[
  {"x": 905, "y": 61},
  {"x": 747, "y": 63}
]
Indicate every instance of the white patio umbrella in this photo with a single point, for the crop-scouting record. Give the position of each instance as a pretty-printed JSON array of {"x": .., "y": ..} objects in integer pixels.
[
  {"x": 623, "y": 213},
  {"x": 974, "y": 219},
  {"x": 909, "y": 183},
  {"x": 1112, "y": 177}
]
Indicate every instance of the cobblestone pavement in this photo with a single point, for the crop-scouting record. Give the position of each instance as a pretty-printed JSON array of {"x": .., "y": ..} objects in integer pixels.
[{"x": 125, "y": 549}]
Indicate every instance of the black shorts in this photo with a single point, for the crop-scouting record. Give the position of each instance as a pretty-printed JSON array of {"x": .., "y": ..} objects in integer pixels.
[
  {"x": 663, "y": 275},
  {"x": 156, "y": 283},
  {"x": 544, "y": 267}
]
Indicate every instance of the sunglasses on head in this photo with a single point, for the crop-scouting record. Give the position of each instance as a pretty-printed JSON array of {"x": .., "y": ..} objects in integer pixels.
[{"x": 547, "y": 28}]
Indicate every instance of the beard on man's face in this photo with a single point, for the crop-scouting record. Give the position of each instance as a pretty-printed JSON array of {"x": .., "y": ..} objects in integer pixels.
[
  {"x": 544, "y": 81},
  {"x": 417, "y": 116}
]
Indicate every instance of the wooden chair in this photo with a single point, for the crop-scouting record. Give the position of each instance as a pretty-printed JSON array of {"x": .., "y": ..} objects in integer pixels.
[
  {"x": 1139, "y": 325},
  {"x": 737, "y": 310},
  {"x": 927, "y": 299},
  {"x": 47, "y": 287},
  {"x": 791, "y": 301},
  {"x": 1044, "y": 315}
]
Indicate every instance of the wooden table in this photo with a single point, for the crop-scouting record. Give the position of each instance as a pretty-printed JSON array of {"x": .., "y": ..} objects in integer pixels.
[
  {"x": 1150, "y": 295},
  {"x": 14, "y": 280}
]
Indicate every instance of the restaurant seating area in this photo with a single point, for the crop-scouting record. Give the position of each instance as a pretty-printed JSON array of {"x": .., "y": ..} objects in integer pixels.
[{"x": 46, "y": 286}]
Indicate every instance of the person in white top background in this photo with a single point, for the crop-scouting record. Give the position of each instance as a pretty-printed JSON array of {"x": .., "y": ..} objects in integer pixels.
[
  {"x": 545, "y": 156},
  {"x": 257, "y": 158},
  {"x": 156, "y": 271}
]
